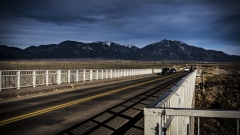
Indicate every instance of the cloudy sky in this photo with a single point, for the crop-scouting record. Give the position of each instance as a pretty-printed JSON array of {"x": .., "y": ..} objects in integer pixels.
[{"x": 202, "y": 23}]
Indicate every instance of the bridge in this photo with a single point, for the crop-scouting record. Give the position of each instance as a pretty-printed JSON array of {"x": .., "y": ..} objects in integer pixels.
[{"x": 128, "y": 101}]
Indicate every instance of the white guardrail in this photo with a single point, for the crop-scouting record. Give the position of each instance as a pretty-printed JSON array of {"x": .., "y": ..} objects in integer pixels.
[
  {"x": 16, "y": 79},
  {"x": 179, "y": 96},
  {"x": 173, "y": 113}
]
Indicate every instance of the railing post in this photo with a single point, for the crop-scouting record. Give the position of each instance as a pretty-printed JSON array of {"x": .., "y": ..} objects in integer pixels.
[
  {"x": 152, "y": 122},
  {"x": 18, "y": 79},
  {"x": 102, "y": 74},
  {"x": 47, "y": 78},
  {"x": 178, "y": 102},
  {"x": 106, "y": 74},
  {"x": 76, "y": 75},
  {"x": 34, "y": 78},
  {"x": 115, "y": 73},
  {"x": 0, "y": 80},
  {"x": 91, "y": 75},
  {"x": 111, "y": 74},
  {"x": 237, "y": 126},
  {"x": 59, "y": 79},
  {"x": 69, "y": 74},
  {"x": 97, "y": 74},
  {"x": 198, "y": 126},
  {"x": 84, "y": 75}
]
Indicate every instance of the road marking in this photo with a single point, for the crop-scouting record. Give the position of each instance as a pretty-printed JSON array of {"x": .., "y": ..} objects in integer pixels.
[{"x": 28, "y": 115}]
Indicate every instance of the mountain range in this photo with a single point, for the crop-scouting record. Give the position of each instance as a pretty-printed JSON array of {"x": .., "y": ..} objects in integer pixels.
[{"x": 163, "y": 50}]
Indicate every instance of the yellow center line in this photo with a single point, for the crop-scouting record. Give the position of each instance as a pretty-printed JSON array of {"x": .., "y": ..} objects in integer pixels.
[{"x": 28, "y": 115}]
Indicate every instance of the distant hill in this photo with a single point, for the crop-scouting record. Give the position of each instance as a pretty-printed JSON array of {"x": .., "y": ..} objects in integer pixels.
[
  {"x": 177, "y": 50},
  {"x": 7, "y": 52},
  {"x": 163, "y": 50}
]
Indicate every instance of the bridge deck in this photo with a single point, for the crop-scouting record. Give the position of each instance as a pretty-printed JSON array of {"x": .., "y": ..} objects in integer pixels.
[{"x": 124, "y": 118}]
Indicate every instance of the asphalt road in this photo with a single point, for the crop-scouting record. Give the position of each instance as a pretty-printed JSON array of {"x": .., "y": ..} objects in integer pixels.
[{"x": 50, "y": 114}]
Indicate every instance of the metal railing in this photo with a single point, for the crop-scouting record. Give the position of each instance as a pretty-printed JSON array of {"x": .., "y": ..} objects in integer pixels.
[
  {"x": 180, "y": 120},
  {"x": 173, "y": 113},
  {"x": 16, "y": 79}
]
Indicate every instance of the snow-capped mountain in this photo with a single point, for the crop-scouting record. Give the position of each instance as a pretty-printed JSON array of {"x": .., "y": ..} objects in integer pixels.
[
  {"x": 73, "y": 49},
  {"x": 177, "y": 50},
  {"x": 163, "y": 50}
]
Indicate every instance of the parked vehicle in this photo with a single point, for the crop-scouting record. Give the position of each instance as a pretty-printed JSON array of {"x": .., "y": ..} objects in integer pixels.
[
  {"x": 165, "y": 71},
  {"x": 186, "y": 69},
  {"x": 173, "y": 70}
]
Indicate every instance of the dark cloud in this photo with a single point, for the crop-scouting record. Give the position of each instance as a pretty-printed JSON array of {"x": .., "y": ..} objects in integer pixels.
[{"x": 206, "y": 22}]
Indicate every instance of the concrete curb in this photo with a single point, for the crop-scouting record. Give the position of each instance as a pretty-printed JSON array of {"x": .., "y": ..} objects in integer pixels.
[{"x": 16, "y": 93}]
